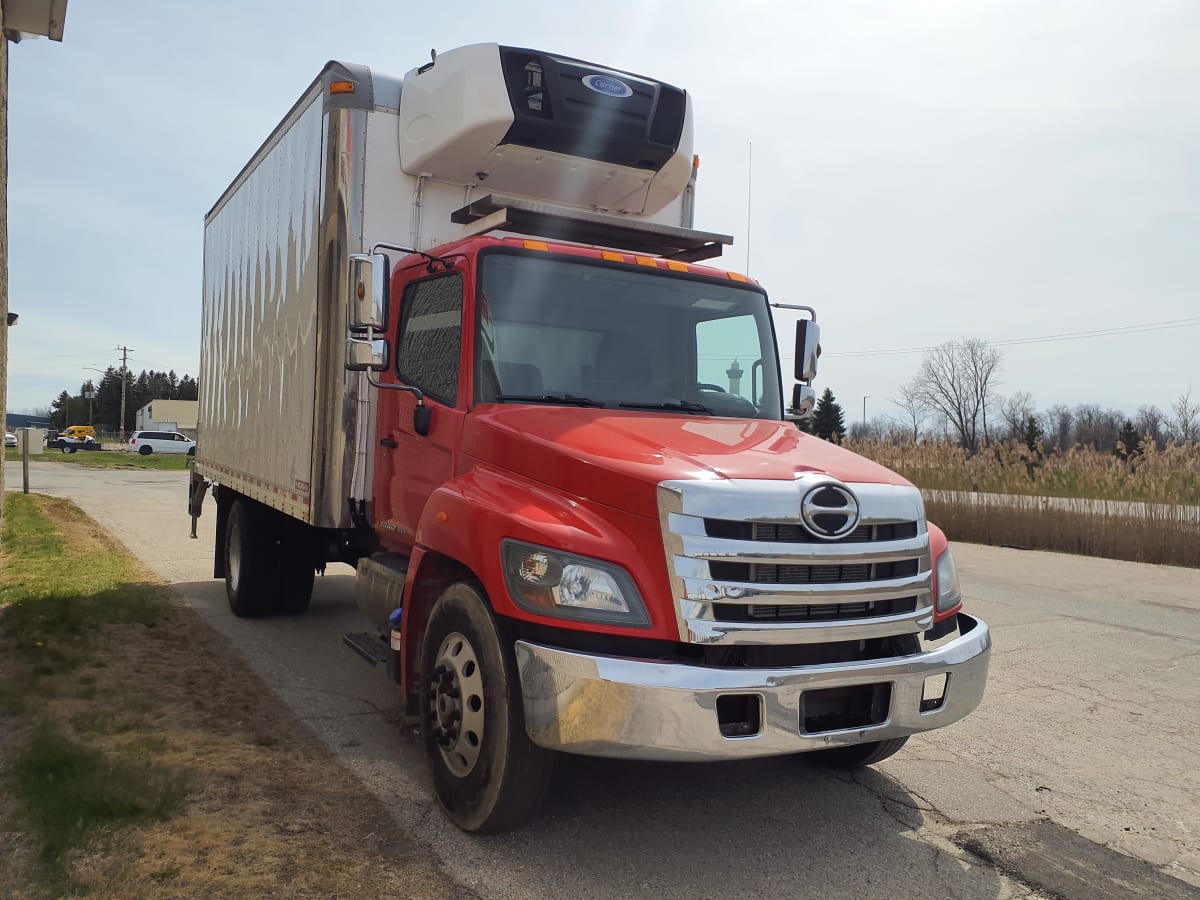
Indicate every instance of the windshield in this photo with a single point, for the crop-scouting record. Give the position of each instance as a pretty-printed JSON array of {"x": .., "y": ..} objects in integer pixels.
[{"x": 553, "y": 330}]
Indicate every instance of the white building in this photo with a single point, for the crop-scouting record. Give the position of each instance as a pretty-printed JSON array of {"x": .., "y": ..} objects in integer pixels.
[{"x": 169, "y": 415}]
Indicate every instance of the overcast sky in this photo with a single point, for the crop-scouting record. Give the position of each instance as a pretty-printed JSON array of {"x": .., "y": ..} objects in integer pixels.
[{"x": 922, "y": 171}]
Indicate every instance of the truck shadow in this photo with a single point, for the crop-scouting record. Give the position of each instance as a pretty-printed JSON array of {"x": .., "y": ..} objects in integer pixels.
[{"x": 773, "y": 827}]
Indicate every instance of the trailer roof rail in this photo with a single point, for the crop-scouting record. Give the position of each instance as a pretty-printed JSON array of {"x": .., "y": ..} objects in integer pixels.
[{"x": 496, "y": 212}]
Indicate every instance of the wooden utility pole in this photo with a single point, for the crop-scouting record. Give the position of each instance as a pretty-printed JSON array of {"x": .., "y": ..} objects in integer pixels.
[{"x": 124, "y": 375}]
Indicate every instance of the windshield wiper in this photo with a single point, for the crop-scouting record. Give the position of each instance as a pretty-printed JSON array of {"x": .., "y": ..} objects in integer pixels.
[
  {"x": 566, "y": 399},
  {"x": 671, "y": 405}
]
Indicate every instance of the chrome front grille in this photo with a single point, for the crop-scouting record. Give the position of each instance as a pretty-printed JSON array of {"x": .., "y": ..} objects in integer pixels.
[
  {"x": 746, "y": 567},
  {"x": 794, "y": 533}
]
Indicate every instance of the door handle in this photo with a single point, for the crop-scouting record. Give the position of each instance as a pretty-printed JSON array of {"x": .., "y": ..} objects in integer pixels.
[{"x": 388, "y": 442}]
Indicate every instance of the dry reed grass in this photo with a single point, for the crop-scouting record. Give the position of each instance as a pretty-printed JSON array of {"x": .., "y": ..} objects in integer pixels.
[
  {"x": 1170, "y": 476},
  {"x": 1146, "y": 509}
]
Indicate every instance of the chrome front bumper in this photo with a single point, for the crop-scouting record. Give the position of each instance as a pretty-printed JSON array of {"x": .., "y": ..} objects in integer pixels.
[{"x": 646, "y": 709}]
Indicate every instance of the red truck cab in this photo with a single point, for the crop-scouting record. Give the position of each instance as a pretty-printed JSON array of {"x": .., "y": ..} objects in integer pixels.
[{"x": 612, "y": 544}]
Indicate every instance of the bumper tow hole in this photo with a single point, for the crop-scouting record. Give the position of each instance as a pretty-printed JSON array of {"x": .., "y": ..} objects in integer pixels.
[
  {"x": 739, "y": 715},
  {"x": 933, "y": 693},
  {"x": 834, "y": 709}
]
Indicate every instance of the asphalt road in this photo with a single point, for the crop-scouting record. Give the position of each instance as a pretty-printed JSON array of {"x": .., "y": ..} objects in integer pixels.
[{"x": 1079, "y": 774}]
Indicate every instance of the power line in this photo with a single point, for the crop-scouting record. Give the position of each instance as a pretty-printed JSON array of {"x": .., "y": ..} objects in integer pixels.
[{"x": 1039, "y": 339}]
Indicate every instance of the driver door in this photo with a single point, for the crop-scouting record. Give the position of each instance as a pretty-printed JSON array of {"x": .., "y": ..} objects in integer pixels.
[{"x": 428, "y": 356}]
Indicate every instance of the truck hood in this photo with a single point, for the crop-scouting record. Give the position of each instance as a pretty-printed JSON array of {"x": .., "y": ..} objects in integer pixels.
[{"x": 617, "y": 457}]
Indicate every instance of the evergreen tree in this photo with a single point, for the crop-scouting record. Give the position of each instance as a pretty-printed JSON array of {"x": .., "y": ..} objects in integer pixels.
[
  {"x": 188, "y": 389},
  {"x": 1130, "y": 445},
  {"x": 1031, "y": 433},
  {"x": 60, "y": 411},
  {"x": 828, "y": 422}
]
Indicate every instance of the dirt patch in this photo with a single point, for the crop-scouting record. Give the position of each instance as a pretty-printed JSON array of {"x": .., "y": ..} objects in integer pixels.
[{"x": 266, "y": 810}]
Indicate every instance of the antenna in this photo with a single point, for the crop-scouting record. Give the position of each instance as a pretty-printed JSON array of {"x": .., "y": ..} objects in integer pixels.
[{"x": 749, "y": 184}]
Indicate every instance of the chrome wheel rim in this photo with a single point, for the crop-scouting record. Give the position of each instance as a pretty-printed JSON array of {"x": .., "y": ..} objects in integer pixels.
[
  {"x": 456, "y": 704},
  {"x": 234, "y": 563}
]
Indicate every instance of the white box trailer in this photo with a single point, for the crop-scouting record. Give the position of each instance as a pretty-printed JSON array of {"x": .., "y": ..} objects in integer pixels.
[{"x": 365, "y": 158}]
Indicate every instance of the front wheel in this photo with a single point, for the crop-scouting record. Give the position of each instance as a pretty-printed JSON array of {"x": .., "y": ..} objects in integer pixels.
[
  {"x": 486, "y": 772},
  {"x": 857, "y": 756},
  {"x": 67, "y": 448}
]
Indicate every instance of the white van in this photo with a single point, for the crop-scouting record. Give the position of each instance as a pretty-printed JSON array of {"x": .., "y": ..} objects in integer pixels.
[{"x": 147, "y": 442}]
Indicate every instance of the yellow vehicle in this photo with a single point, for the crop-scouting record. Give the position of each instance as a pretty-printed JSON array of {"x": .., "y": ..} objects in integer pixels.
[{"x": 78, "y": 432}]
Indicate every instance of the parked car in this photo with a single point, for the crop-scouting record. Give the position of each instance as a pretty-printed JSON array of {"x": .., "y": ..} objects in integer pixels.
[
  {"x": 147, "y": 442},
  {"x": 70, "y": 444},
  {"x": 10, "y": 439}
]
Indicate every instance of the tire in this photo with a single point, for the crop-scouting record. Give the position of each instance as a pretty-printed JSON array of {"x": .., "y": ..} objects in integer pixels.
[
  {"x": 145, "y": 450},
  {"x": 249, "y": 562},
  {"x": 67, "y": 448},
  {"x": 191, "y": 451},
  {"x": 293, "y": 588},
  {"x": 857, "y": 756},
  {"x": 486, "y": 773}
]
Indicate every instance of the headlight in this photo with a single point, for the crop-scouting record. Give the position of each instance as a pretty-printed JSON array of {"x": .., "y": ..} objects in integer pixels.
[
  {"x": 551, "y": 583},
  {"x": 949, "y": 594}
]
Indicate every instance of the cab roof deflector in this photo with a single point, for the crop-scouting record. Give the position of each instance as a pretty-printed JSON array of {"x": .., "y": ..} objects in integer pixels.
[{"x": 551, "y": 220}]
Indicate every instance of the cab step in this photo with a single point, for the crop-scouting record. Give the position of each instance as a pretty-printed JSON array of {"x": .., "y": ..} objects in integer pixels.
[{"x": 370, "y": 647}]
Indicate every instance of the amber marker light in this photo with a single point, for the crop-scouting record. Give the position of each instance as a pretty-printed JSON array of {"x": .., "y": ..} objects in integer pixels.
[{"x": 341, "y": 87}]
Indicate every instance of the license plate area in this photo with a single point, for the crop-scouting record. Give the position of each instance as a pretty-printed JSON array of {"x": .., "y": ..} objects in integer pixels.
[{"x": 836, "y": 709}]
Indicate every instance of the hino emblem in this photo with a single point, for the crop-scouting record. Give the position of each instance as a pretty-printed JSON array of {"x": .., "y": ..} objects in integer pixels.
[{"x": 829, "y": 511}]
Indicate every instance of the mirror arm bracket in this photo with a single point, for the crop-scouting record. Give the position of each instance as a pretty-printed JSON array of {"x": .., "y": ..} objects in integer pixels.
[{"x": 417, "y": 392}]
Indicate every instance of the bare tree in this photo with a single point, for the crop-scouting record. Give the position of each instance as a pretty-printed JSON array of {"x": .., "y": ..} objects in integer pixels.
[
  {"x": 1016, "y": 411},
  {"x": 1149, "y": 423},
  {"x": 1096, "y": 427},
  {"x": 957, "y": 379},
  {"x": 910, "y": 401},
  {"x": 1059, "y": 421},
  {"x": 1185, "y": 418}
]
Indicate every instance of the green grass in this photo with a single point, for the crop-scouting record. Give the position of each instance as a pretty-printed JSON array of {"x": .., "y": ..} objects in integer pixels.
[
  {"x": 107, "y": 459},
  {"x": 54, "y": 594},
  {"x": 62, "y": 584},
  {"x": 69, "y": 790}
]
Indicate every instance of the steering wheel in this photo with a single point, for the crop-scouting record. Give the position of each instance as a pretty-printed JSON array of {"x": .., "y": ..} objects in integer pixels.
[{"x": 704, "y": 386}]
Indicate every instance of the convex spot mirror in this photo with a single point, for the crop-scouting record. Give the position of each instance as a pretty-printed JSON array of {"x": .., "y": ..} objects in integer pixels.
[
  {"x": 366, "y": 356},
  {"x": 368, "y": 307},
  {"x": 808, "y": 348},
  {"x": 804, "y": 399}
]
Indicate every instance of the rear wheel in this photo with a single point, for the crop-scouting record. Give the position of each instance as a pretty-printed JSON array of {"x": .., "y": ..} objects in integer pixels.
[
  {"x": 857, "y": 756},
  {"x": 249, "y": 557},
  {"x": 486, "y": 772},
  {"x": 145, "y": 450},
  {"x": 67, "y": 448}
]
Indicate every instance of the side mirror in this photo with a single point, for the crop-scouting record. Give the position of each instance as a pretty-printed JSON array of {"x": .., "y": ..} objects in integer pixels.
[
  {"x": 804, "y": 400},
  {"x": 366, "y": 356},
  {"x": 422, "y": 417},
  {"x": 808, "y": 348},
  {"x": 368, "y": 305}
]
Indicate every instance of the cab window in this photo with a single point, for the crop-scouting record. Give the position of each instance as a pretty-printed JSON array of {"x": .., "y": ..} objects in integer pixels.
[{"x": 429, "y": 346}]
